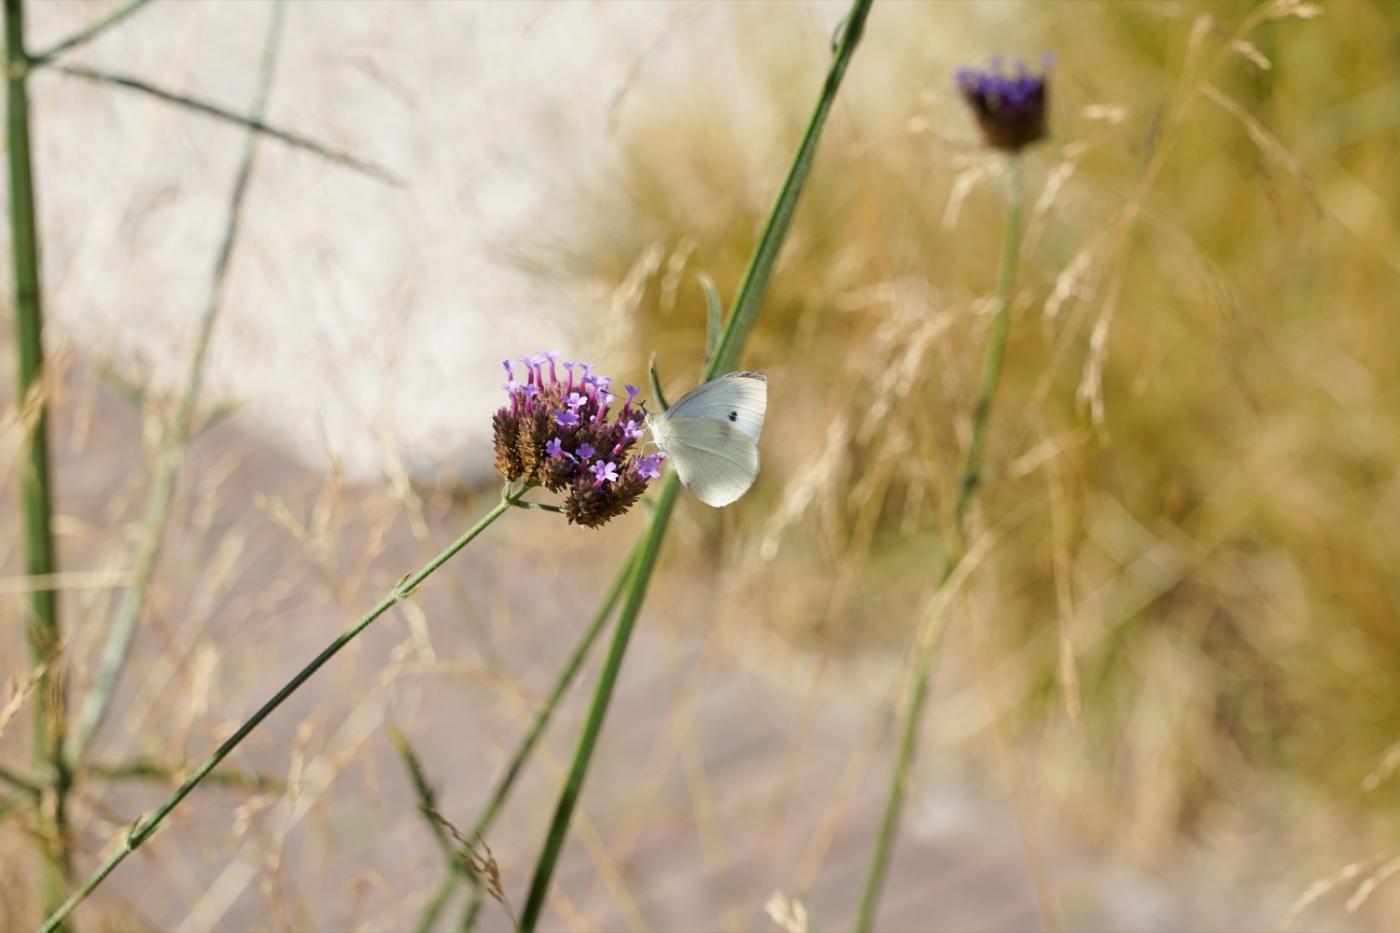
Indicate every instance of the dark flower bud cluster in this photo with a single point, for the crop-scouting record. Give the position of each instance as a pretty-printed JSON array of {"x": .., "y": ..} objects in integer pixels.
[
  {"x": 570, "y": 436},
  {"x": 1010, "y": 108}
]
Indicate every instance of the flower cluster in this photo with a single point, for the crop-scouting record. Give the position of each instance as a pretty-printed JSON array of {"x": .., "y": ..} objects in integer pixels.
[
  {"x": 569, "y": 435},
  {"x": 1010, "y": 108}
]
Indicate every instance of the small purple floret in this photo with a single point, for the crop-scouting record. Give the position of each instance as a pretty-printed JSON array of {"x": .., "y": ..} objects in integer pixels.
[
  {"x": 554, "y": 447},
  {"x": 605, "y": 471},
  {"x": 585, "y": 450},
  {"x": 565, "y": 419},
  {"x": 649, "y": 467}
]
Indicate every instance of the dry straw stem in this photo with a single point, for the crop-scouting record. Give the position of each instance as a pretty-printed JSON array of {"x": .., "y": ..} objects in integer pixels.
[
  {"x": 122, "y": 629},
  {"x": 967, "y": 488},
  {"x": 295, "y": 140},
  {"x": 42, "y": 623},
  {"x": 726, "y": 356}
]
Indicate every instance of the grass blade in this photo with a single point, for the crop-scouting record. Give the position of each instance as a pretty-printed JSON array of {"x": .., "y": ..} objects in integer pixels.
[
  {"x": 741, "y": 320},
  {"x": 714, "y": 317}
]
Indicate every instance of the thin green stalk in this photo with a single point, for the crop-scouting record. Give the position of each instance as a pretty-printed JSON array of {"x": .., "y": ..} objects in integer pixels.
[
  {"x": 527, "y": 745},
  {"x": 607, "y": 680},
  {"x": 969, "y": 482},
  {"x": 142, "y": 769},
  {"x": 143, "y": 829},
  {"x": 42, "y": 624},
  {"x": 427, "y": 799},
  {"x": 122, "y": 629},
  {"x": 88, "y": 34},
  {"x": 295, "y": 140},
  {"x": 726, "y": 356}
]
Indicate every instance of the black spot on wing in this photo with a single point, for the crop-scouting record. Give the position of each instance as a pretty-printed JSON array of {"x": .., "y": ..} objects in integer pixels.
[{"x": 733, "y": 416}]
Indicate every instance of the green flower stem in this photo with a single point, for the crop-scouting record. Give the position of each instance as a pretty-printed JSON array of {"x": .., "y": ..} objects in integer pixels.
[
  {"x": 542, "y": 719},
  {"x": 971, "y": 479},
  {"x": 726, "y": 356},
  {"x": 143, "y": 829},
  {"x": 122, "y": 629},
  {"x": 607, "y": 680},
  {"x": 42, "y": 626},
  {"x": 88, "y": 34}
]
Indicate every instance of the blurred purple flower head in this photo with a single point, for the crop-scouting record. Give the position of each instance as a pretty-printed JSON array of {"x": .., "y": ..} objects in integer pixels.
[
  {"x": 1009, "y": 106},
  {"x": 550, "y": 428}
]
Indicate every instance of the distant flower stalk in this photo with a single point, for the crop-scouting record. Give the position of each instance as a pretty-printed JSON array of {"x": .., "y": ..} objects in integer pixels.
[
  {"x": 1010, "y": 107},
  {"x": 564, "y": 430}
]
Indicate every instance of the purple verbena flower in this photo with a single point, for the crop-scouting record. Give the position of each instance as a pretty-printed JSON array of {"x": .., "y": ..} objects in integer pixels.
[
  {"x": 547, "y": 418},
  {"x": 1009, "y": 106}
]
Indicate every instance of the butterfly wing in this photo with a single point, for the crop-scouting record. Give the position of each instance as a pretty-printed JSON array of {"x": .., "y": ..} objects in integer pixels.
[
  {"x": 739, "y": 399},
  {"x": 716, "y": 460}
]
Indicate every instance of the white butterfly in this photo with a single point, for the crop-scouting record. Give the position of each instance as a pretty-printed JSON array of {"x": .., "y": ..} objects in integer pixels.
[{"x": 711, "y": 435}]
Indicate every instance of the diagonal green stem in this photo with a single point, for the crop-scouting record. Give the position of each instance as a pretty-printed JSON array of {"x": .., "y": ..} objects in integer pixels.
[
  {"x": 295, "y": 140},
  {"x": 527, "y": 747},
  {"x": 122, "y": 629},
  {"x": 88, "y": 34},
  {"x": 746, "y": 304},
  {"x": 542, "y": 719},
  {"x": 42, "y": 624},
  {"x": 969, "y": 482},
  {"x": 427, "y": 799},
  {"x": 144, "y": 828}
]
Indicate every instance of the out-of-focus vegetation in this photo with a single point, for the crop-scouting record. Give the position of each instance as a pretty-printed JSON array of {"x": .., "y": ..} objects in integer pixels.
[
  {"x": 1182, "y": 629},
  {"x": 1188, "y": 609}
]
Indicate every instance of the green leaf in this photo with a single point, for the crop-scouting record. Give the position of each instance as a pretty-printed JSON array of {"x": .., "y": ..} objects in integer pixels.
[
  {"x": 656, "y": 392},
  {"x": 714, "y": 317}
]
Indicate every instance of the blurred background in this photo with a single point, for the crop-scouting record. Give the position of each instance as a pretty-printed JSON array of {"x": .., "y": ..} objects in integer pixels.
[{"x": 1169, "y": 697}]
